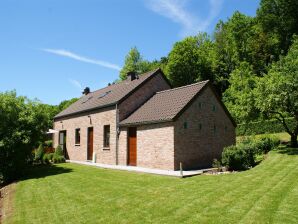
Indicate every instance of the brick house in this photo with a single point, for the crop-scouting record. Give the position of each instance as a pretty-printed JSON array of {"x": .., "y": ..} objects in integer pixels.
[{"x": 143, "y": 122}]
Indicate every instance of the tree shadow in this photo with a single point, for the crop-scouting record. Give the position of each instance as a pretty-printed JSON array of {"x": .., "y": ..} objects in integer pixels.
[
  {"x": 41, "y": 171},
  {"x": 288, "y": 151}
]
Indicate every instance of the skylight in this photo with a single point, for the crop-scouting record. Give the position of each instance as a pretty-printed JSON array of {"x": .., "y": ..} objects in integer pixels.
[{"x": 104, "y": 94}]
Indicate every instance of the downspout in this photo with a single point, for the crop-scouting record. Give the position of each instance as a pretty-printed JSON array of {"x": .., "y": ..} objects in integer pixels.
[{"x": 117, "y": 133}]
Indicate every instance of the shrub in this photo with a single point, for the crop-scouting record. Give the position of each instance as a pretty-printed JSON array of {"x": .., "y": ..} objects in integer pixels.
[
  {"x": 39, "y": 153},
  {"x": 50, "y": 156},
  {"x": 216, "y": 164},
  {"x": 48, "y": 144},
  {"x": 262, "y": 127},
  {"x": 59, "y": 151},
  {"x": 58, "y": 159},
  {"x": 240, "y": 157},
  {"x": 45, "y": 159},
  {"x": 266, "y": 144}
]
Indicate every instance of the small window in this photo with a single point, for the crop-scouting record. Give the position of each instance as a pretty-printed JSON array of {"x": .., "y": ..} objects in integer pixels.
[
  {"x": 226, "y": 129},
  {"x": 214, "y": 129},
  {"x": 213, "y": 108},
  {"x": 200, "y": 126},
  {"x": 106, "y": 136},
  {"x": 200, "y": 105},
  {"x": 185, "y": 125},
  {"x": 78, "y": 136}
]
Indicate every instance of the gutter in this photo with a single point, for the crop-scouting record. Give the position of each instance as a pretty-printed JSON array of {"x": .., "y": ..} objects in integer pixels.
[{"x": 117, "y": 134}]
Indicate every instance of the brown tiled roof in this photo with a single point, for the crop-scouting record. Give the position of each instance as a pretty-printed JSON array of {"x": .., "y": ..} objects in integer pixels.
[
  {"x": 165, "y": 105},
  {"x": 107, "y": 96}
]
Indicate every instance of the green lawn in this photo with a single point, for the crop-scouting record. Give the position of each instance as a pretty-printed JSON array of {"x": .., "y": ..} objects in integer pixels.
[{"x": 70, "y": 193}]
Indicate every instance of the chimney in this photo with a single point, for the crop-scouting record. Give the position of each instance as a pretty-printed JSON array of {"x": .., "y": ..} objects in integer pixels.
[
  {"x": 132, "y": 76},
  {"x": 86, "y": 91}
]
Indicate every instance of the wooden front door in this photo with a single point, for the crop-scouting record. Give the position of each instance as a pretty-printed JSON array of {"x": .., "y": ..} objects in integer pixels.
[
  {"x": 90, "y": 144},
  {"x": 132, "y": 146}
]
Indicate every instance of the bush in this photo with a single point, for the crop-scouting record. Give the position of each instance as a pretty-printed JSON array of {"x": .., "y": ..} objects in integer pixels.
[
  {"x": 59, "y": 151},
  {"x": 266, "y": 144},
  {"x": 39, "y": 153},
  {"x": 48, "y": 144},
  {"x": 45, "y": 159},
  {"x": 50, "y": 156},
  {"x": 240, "y": 157},
  {"x": 262, "y": 127},
  {"x": 216, "y": 164},
  {"x": 58, "y": 159}
]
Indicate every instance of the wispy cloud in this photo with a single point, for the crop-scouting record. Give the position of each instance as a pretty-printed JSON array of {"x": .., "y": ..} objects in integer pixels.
[
  {"x": 77, "y": 57},
  {"x": 176, "y": 11},
  {"x": 76, "y": 84}
]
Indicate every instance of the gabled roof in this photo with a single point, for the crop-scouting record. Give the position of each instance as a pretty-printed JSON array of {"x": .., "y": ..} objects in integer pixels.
[
  {"x": 165, "y": 105},
  {"x": 107, "y": 96}
]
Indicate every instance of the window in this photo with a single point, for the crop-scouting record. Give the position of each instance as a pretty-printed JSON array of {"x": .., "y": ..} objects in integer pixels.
[
  {"x": 213, "y": 108},
  {"x": 226, "y": 129},
  {"x": 200, "y": 126},
  {"x": 78, "y": 136},
  {"x": 185, "y": 125},
  {"x": 214, "y": 129},
  {"x": 106, "y": 136},
  {"x": 200, "y": 105}
]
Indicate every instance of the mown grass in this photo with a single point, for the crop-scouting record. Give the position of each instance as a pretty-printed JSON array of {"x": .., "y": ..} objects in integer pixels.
[{"x": 69, "y": 193}]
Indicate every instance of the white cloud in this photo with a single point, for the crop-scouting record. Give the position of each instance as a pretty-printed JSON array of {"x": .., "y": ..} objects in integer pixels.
[
  {"x": 77, "y": 57},
  {"x": 76, "y": 84},
  {"x": 176, "y": 11}
]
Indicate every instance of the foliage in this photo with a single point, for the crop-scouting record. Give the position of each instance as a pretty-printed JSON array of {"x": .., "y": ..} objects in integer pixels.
[
  {"x": 48, "y": 143},
  {"x": 39, "y": 153},
  {"x": 216, "y": 164},
  {"x": 243, "y": 155},
  {"x": 263, "y": 126},
  {"x": 64, "y": 104},
  {"x": 59, "y": 151},
  {"x": 280, "y": 86},
  {"x": 23, "y": 123},
  {"x": 239, "y": 97},
  {"x": 58, "y": 158},
  {"x": 192, "y": 59},
  {"x": 134, "y": 62},
  {"x": 46, "y": 159},
  {"x": 278, "y": 19}
]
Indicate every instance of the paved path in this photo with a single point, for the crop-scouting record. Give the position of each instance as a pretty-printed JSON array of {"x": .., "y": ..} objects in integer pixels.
[{"x": 141, "y": 169}]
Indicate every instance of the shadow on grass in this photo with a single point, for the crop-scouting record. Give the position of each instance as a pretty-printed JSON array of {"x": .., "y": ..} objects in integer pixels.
[
  {"x": 288, "y": 151},
  {"x": 41, "y": 171}
]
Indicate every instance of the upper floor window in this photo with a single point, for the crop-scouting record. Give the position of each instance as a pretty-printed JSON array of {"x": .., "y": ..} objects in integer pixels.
[
  {"x": 78, "y": 136},
  {"x": 185, "y": 125},
  {"x": 213, "y": 108},
  {"x": 106, "y": 136}
]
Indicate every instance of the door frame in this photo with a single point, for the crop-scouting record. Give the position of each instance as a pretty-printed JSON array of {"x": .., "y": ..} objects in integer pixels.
[
  {"x": 128, "y": 146},
  {"x": 88, "y": 131}
]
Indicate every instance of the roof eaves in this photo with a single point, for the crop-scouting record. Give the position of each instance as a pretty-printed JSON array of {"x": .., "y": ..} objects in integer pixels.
[
  {"x": 84, "y": 111},
  {"x": 145, "y": 122}
]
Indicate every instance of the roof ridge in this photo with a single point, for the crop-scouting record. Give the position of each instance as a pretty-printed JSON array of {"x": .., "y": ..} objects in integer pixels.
[{"x": 181, "y": 87}]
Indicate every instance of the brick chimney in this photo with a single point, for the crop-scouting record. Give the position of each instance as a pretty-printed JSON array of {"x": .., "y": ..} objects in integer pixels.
[
  {"x": 86, "y": 91},
  {"x": 132, "y": 76}
]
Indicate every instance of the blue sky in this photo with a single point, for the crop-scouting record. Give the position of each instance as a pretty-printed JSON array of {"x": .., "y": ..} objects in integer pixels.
[{"x": 51, "y": 49}]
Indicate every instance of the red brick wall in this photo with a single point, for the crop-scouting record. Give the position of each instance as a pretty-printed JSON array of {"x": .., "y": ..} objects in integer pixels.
[{"x": 195, "y": 147}]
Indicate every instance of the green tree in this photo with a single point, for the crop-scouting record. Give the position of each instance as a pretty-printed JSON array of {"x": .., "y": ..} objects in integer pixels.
[
  {"x": 277, "y": 92},
  {"x": 23, "y": 124},
  {"x": 192, "y": 59},
  {"x": 239, "y": 97},
  {"x": 279, "y": 20}
]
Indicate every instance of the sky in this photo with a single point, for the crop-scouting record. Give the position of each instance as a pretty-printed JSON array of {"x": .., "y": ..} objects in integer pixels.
[{"x": 51, "y": 49}]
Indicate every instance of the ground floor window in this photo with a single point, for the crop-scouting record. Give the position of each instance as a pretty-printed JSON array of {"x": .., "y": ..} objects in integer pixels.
[
  {"x": 106, "y": 136},
  {"x": 78, "y": 136}
]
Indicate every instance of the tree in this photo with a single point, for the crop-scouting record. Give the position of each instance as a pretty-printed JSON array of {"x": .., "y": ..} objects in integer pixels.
[
  {"x": 239, "y": 97},
  {"x": 134, "y": 63},
  {"x": 277, "y": 92},
  {"x": 191, "y": 60},
  {"x": 279, "y": 20},
  {"x": 23, "y": 124}
]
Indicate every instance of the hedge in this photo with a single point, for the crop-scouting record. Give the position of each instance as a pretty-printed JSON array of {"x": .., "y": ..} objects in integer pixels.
[{"x": 262, "y": 127}]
